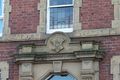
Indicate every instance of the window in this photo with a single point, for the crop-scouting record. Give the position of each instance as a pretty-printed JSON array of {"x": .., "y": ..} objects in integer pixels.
[
  {"x": 59, "y": 16},
  {"x": 61, "y": 77},
  {"x": 1, "y": 16}
]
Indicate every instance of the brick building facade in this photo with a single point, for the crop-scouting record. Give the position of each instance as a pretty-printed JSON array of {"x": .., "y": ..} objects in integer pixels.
[{"x": 90, "y": 51}]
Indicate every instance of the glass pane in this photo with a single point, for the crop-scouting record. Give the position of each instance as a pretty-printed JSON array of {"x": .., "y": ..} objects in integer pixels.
[
  {"x": 59, "y": 77},
  {"x": 61, "y": 17},
  {"x": 1, "y": 27},
  {"x": 60, "y": 2},
  {"x": 1, "y": 2}
]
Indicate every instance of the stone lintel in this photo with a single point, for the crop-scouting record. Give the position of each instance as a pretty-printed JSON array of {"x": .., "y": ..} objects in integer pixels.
[{"x": 59, "y": 56}]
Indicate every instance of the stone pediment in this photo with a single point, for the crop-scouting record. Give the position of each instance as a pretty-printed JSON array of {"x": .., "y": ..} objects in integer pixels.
[
  {"x": 58, "y": 43},
  {"x": 59, "y": 46}
]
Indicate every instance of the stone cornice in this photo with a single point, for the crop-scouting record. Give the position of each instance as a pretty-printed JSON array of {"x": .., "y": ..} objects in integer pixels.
[{"x": 44, "y": 56}]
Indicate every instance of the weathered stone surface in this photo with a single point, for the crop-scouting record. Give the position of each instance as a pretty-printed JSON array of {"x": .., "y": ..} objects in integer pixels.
[
  {"x": 4, "y": 68},
  {"x": 115, "y": 67},
  {"x": 87, "y": 65},
  {"x": 26, "y": 70},
  {"x": 26, "y": 78},
  {"x": 57, "y": 66}
]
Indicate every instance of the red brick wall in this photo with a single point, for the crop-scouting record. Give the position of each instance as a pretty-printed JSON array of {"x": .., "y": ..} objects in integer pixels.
[
  {"x": 6, "y": 51},
  {"x": 96, "y": 14},
  {"x": 24, "y": 16},
  {"x": 112, "y": 48}
]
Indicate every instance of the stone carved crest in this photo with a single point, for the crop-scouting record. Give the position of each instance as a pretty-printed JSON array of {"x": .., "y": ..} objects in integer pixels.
[{"x": 57, "y": 44}]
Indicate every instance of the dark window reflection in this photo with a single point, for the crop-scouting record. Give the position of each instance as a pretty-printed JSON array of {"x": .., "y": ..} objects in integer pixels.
[{"x": 61, "y": 17}]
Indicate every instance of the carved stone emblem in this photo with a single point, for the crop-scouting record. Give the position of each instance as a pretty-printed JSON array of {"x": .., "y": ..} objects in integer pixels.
[{"x": 57, "y": 44}]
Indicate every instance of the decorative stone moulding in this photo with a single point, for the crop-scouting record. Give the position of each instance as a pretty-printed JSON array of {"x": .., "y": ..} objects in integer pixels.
[
  {"x": 26, "y": 71},
  {"x": 89, "y": 45},
  {"x": 115, "y": 67},
  {"x": 26, "y": 48},
  {"x": 116, "y": 21},
  {"x": 59, "y": 47},
  {"x": 57, "y": 66},
  {"x": 90, "y": 70}
]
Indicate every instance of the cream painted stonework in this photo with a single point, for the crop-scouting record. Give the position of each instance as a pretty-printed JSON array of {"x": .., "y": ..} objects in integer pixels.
[
  {"x": 26, "y": 71},
  {"x": 42, "y": 71},
  {"x": 57, "y": 66},
  {"x": 87, "y": 65},
  {"x": 58, "y": 55},
  {"x": 4, "y": 66},
  {"x": 90, "y": 70},
  {"x": 116, "y": 21},
  {"x": 25, "y": 49},
  {"x": 7, "y": 10},
  {"x": 115, "y": 67}
]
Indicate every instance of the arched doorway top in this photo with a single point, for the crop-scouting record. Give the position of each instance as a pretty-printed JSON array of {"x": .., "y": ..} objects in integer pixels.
[{"x": 60, "y": 76}]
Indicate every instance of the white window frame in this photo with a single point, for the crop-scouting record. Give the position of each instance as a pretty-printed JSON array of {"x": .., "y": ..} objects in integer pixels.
[
  {"x": 2, "y": 16},
  {"x": 66, "y": 30}
]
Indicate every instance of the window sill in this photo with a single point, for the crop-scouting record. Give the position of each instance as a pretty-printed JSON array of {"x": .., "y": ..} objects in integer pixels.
[{"x": 66, "y": 30}]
